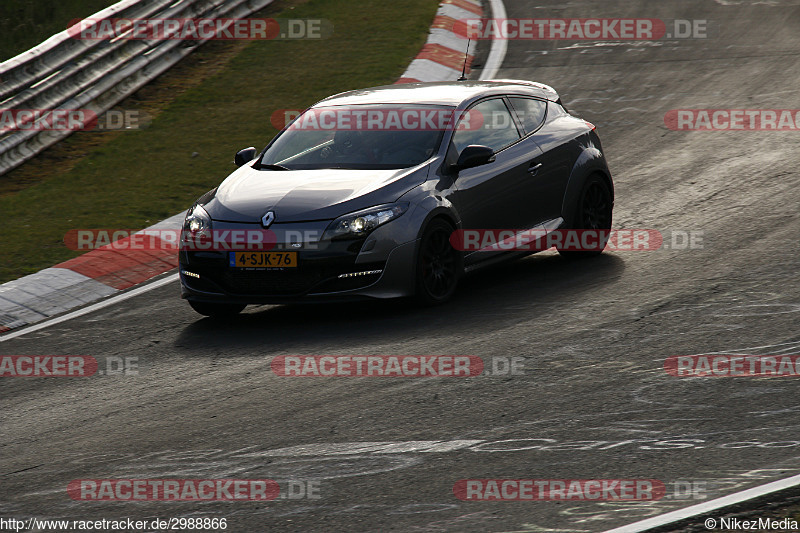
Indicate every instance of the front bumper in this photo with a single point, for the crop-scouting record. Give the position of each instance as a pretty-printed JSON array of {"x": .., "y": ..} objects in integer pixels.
[{"x": 342, "y": 271}]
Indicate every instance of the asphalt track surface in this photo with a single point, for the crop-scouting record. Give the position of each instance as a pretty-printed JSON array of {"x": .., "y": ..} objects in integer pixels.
[{"x": 594, "y": 400}]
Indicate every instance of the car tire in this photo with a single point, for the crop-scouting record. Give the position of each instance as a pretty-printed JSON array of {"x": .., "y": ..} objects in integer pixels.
[
  {"x": 593, "y": 211},
  {"x": 216, "y": 310},
  {"x": 438, "y": 267}
]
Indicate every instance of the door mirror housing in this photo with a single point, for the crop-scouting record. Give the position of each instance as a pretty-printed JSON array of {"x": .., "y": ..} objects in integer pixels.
[
  {"x": 244, "y": 156},
  {"x": 474, "y": 155}
]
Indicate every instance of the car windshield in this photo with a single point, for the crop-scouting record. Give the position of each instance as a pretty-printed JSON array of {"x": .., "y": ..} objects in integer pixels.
[{"x": 374, "y": 136}]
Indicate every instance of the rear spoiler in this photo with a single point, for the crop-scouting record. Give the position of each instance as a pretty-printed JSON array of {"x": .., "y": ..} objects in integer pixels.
[{"x": 550, "y": 93}]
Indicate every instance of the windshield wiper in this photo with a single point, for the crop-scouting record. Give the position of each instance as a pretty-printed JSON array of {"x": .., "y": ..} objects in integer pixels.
[{"x": 271, "y": 166}]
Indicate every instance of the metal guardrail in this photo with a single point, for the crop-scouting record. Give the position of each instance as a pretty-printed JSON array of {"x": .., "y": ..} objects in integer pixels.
[{"x": 95, "y": 75}]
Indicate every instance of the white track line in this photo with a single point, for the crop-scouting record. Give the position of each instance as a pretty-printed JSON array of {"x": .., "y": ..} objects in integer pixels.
[
  {"x": 88, "y": 309},
  {"x": 493, "y": 64},
  {"x": 498, "y": 52},
  {"x": 707, "y": 507}
]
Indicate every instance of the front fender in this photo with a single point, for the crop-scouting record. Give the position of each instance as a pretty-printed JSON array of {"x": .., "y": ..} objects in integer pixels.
[{"x": 431, "y": 201}]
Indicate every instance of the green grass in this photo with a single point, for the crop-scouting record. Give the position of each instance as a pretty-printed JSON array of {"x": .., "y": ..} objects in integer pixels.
[
  {"x": 140, "y": 177},
  {"x": 26, "y": 23}
]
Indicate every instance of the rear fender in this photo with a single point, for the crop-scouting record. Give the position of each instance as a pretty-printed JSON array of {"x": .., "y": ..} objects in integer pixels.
[{"x": 590, "y": 161}]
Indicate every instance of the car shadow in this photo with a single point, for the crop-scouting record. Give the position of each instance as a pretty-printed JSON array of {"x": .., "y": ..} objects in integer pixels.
[{"x": 487, "y": 300}]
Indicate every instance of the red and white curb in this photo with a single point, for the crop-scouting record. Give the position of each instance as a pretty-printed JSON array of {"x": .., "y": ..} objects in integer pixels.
[
  {"x": 87, "y": 278},
  {"x": 442, "y": 57},
  {"x": 105, "y": 272}
]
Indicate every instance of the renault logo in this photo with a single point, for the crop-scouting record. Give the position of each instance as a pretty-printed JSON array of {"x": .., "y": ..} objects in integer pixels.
[{"x": 268, "y": 219}]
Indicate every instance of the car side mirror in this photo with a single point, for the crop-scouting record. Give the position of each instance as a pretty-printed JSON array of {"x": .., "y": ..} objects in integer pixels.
[
  {"x": 244, "y": 156},
  {"x": 474, "y": 155}
]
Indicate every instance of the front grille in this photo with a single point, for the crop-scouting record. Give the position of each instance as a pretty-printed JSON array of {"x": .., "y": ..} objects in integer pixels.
[
  {"x": 278, "y": 282},
  {"x": 320, "y": 277},
  {"x": 316, "y": 272}
]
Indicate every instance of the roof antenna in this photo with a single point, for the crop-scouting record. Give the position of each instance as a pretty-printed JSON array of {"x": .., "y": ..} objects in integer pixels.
[{"x": 464, "y": 70}]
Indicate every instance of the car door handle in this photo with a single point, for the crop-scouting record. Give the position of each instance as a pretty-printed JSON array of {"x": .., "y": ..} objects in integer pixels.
[{"x": 534, "y": 168}]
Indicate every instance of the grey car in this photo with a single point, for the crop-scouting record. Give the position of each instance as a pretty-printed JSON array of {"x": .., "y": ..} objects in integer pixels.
[{"x": 362, "y": 194}]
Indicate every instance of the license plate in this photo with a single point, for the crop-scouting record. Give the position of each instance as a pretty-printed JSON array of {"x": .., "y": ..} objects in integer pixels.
[{"x": 263, "y": 259}]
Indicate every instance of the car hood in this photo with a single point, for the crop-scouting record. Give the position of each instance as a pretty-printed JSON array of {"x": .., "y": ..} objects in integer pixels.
[{"x": 301, "y": 195}]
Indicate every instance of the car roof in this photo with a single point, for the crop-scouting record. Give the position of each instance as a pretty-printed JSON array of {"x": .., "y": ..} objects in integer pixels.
[{"x": 439, "y": 93}]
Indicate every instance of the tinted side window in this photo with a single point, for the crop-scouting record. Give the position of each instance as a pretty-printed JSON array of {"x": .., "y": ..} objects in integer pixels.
[
  {"x": 489, "y": 124},
  {"x": 530, "y": 112}
]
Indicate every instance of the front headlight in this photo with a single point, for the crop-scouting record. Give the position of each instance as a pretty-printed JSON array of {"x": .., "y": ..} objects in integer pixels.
[
  {"x": 361, "y": 223},
  {"x": 196, "y": 225}
]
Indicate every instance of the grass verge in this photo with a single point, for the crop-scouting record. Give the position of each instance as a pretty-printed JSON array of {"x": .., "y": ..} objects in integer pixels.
[{"x": 136, "y": 178}]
